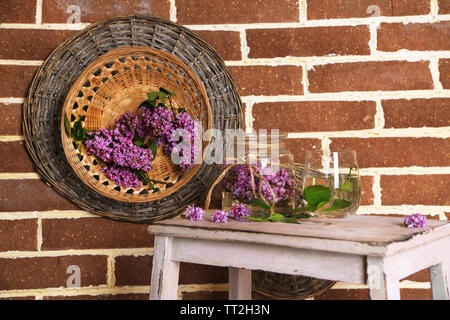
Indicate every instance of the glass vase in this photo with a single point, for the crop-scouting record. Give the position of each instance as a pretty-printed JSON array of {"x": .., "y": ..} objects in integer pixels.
[
  {"x": 260, "y": 174},
  {"x": 331, "y": 184}
]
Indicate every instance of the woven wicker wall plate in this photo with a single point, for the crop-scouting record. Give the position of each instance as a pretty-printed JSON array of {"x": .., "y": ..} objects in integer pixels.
[
  {"x": 51, "y": 85},
  {"x": 117, "y": 83}
]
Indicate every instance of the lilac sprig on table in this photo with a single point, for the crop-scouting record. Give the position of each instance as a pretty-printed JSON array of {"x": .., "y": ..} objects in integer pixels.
[
  {"x": 129, "y": 149},
  {"x": 194, "y": 213},
  {"x": 219, "y": 216},
  {"x": 239, "y": 212},
  {"x": 416, "y": 220}
]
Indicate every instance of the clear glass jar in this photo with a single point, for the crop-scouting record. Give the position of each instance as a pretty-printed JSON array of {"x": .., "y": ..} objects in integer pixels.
[{"x": 260, "y": 173}]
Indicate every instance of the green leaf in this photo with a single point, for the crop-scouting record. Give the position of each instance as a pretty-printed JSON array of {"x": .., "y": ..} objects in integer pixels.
[
  {"x": 180, "y": 110},
  {"x": 337, "y": 205},
  {"x": 316, "y": 194},
  {"x": 67, "y": 125},
  {"x": 138, "y": 141},
  {"x": 321, "y": 204},
  {"x": 346, "y": 186},
  {"x": 275, "y": 217},
  {"x": 154, "y": 147},
  {"x": 259, "y": 203},
  {"x": 290, "y": 220},
  {"x": 300, "y": 216},
  {"x": 142, "y": 176},
  {"x": 167, "y": 92},
  {"x": 152, "y": 96},
  {"x": 78, "y": 132},
  {"x": 256, "y": 219}
]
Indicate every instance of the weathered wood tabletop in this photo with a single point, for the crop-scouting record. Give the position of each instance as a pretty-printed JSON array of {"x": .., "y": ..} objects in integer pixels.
[{"x": 359, "y": 249}]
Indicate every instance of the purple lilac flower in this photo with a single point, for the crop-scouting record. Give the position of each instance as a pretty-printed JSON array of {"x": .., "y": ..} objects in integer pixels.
[
  {"x": 219, "y": 216},
  {"x": 239, "y": 182},
  {"x": 127, "y": 124},
  {"x": 194, "y": 213},
  {"x": 101, "y": 144},
  {"x": 112, "y": 147},
  {"x": 416, "y": 220},
  {"x": 126, "y": 154},
  {"x": 123, "y": 177},
  {"x": 182, "y": 121},
  {"x": 282, "y": 186},
  {"x": 239, "y": 210},
  {"x": 158, "y": 122}
]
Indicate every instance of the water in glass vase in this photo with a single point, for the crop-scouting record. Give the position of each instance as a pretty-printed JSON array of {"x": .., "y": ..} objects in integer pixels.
[{"x": 345, "y": 194}]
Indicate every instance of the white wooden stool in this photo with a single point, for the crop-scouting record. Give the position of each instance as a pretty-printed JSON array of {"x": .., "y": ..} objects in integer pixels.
[{"x": 372, "y": 250}]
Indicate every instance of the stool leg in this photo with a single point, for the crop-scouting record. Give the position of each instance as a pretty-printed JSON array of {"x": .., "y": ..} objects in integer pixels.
[
  {"x": 239, "y": 284},
  {"x": 165, "y": 272},
  {"x": 382, "y": 284},
  {"x": 440, "y": 281}
]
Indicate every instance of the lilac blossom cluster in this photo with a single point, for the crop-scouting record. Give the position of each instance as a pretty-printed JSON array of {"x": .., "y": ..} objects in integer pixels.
[
  {"x": 219, "y": 216},
  {"x": 194, "y": 213},
  {"x": 239, "y": 182},
  {"x": 122, "y": 156},
  {"x": 416, "y": 220}
]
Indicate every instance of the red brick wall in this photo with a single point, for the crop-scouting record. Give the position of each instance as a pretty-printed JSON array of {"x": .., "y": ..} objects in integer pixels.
[{"x": 368, "y": 75}]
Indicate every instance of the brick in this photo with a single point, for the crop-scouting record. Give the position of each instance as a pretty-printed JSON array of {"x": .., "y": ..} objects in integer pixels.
[
  {"x": 19, "y": 78},
  {"x": 363, "y": 294},
  {"x": 191, "y": 273},
  {"x": 298, "y": 147},
  {"x": 11, "y": 115},
  {"x": 205, "y": 295},
  {"x": 444, "y": 6},
  {"x": 268, "y": 80},
  {"x": 344, "y": 294},
  {"x": 429, "y": 190},
  {"x": 130, "y": 270},
  {"x": 17, "y": 11},
  {"x": 313, "y": 41},
  {"x": 18, "y": 235},
  {"x": 237, "y": 11},
  {"x": 416, "y": 113},
  {"x": 19, "y": 298},
  {"x": 366, "y": 190},
  {"x": 414, "y": 36},
  {"x": 51, "y": 272},
  {"x": 421, "y": 276},
  {"x": 88, "y": 233},
  {"x": 30, "y": 195},
  {"x": 226, "y": 43},
  {"x": 58, "y": 11},
  {"x": 396, "y": 152},
  {"x": 29, "y": 44},
  {"x": 370, "y": 76},
  {"x": 313, "y": 116},
  {"x": 133, "y": 271},
  {"x": 14, "y": 157},
  {"x": 335, "y": 9},
  {"x": 444, "y": 73},
  {"x": 124, "y": 296},
  {"x": 415, "y": 294}
]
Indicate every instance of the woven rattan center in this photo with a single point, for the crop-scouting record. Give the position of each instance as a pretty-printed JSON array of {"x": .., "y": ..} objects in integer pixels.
[{"x": 116, "y": 83}]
